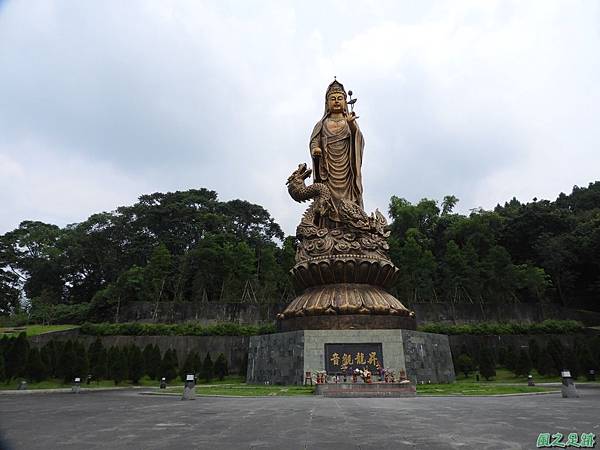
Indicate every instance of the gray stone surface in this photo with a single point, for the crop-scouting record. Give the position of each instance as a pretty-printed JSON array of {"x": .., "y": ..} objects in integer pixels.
[
  {"x": 284, "y": 358},
  {"x": 189, "y": 392},
  {"x": 127, "y": 420},
  {"x": 276, "y": 358},
  {"x": 427, "y": 357}
]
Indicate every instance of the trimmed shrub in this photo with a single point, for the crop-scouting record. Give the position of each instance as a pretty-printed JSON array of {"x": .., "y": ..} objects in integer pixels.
[
  {"x": 183, "y": 329},
  {"x": 534, "y": 352},
  {"x": 16, "y": 356},
  {"x": 487, "y": 366},
  {"x": 81, "y": 364},
  {"x": 207, "y": 373},
  {"x": 523, "y": 365},
  {"x": 169, "y": 366},
  {"x": 118, "y": 364},
  {"x": 221, "y": 366},
  {"x": 190, "y": 366},
  {"x": 136, "y": 363},
  {"x": 465, "y": 364},
  {"x": 66, "y": 361},
  {"x": 35, "y": 370},
  {"x": 495, "y": 328}
]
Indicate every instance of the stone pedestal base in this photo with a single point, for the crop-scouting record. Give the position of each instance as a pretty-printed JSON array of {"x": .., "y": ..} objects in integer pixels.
[
  {"x": 284, "y": 358},
  {"x": 366, "y": 390}
]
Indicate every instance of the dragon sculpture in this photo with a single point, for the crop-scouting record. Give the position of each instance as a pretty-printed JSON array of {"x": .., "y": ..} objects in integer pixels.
[{"x": 355, "y": 233}]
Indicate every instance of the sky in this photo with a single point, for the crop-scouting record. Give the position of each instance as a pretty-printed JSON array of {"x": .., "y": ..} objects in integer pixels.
[{"x": 101, "y": 102}]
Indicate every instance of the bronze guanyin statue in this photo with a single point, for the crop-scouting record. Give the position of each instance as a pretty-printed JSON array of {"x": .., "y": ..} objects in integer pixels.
[{"x": 342, "y": 264}]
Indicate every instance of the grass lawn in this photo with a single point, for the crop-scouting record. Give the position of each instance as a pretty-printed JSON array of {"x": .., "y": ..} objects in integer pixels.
[
  {"x": 34, "y": 330},
  {"x": 477, "y": 389},
  {"x": 248, "y": 390},
  {"x": 506, "y": 376}
]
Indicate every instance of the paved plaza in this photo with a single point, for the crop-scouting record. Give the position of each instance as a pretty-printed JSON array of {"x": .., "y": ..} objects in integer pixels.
[{"x": 129, "y": 420}]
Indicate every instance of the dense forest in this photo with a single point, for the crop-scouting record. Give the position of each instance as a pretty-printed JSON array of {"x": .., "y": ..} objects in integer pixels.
[{"x": 189, "y": 246}]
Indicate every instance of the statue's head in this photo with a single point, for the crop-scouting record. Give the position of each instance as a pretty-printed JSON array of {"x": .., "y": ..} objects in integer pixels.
[{"x": 335, "y": 98}]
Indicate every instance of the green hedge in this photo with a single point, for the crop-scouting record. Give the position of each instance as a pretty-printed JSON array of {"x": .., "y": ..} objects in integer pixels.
[
  {"x": 182, "y": 329},
  {"x": 545, "y": 327}
]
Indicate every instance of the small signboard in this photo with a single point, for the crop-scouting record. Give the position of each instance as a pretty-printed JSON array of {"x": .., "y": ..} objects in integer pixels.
[
  {"x": 189, "y": 377},
  {"x": 344, "y": 358}
]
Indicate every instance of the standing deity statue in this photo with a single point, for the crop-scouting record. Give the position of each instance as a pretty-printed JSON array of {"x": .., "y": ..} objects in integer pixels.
[
  {"x": 336, "y": 147},
  {"x": 342, "y": 262}
]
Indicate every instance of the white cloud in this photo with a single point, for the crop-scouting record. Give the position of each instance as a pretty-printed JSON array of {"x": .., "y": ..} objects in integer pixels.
[{"x": 484, "y": 100}]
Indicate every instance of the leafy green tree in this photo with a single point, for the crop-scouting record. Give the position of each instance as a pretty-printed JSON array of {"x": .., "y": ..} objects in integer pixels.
[
  {"x": 207, "y": 373},
  {"x": 220, "y": 367}
]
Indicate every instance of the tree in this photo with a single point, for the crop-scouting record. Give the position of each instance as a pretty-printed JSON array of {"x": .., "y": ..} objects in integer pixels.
[
  {"x": 572, "y": 363},
  {"x": 51, "y": 354},
  {"x": 136, "y": 364},
  {"x": 151, "y": 364},
  {"x": 35, "y": 369},
  {"x": 118, "y": 364},
  {"x": 189, "y": 366},
  {"x": 100, "y": 369},
  {"x": 487, "y": 366},
  {"x": 523, "y": 366},
  {"x": 465, "y": 364},
  {"x": 221, "y": 366},
  {"x": 511, "y": 357},
  {"x": 16, "y": 356},
  {"x": 169, "y": 366},
  {"x": 545, "y": 365},
  {"x": 81, "y": 364},
  {"x": 556, "y": 351},
  {"x": 207, "y": 369},
  {"x": 534, "y": 352},
  {"x": 157, "y": 272},
  {"x": 66, "y": 362},
  {"x": 2, "y": 365}
]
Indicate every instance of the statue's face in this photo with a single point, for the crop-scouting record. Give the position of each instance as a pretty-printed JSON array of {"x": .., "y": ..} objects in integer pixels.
[{"x": 336, "y": 102}]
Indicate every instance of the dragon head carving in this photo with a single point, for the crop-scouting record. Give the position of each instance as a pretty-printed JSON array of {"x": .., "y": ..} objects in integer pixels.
[{"x": 299, "y": 175}]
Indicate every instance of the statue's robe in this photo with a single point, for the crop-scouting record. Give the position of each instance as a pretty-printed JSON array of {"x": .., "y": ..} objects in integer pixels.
[{"x": 339, "y": 165}]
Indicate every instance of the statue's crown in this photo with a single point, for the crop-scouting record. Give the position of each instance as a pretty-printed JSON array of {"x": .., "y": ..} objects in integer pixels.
[{"x": 336, "y": 86}]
